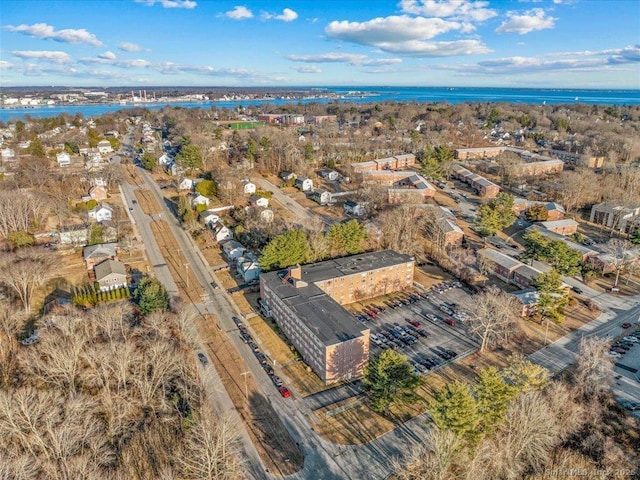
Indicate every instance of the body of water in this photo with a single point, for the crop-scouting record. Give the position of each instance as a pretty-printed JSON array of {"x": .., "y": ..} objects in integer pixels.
[{"x": 366, "y": 95}]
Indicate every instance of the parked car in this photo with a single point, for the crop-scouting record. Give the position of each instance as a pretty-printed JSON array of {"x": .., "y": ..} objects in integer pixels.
[
  {"x": 203, "y": 359},
  {"x": 630, "y": 339},
  {"x": 626, "y": 325},
  {"x": 414, "y": 323},
  {"x": 446, "y": 310},
  {"x": 449, "y": 321},
  {"x": 433, "y": 317},
  {"x": 276, "y": 381},
  {"x": 612, "y": 354},
  {"x": 284, "y": 391}
]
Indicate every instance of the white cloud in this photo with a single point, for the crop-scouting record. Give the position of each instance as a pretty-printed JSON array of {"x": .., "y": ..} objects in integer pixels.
[
  {"x": 287, "y": 15},
  {"x": 583, "y": 61},
  {"x": 188, "y": 4},
  {"x": 527, "y": 22},
  {"x": 455, "y": 9},
  {"x": 44, "y": 55},
  {"x": 106, "y": 59},
  {"x": 67, "y": 35},
  {"x": 5, "y": 64},
  {"x": 308, "y": 69},
  {"x": 390, "y": 29},
  {"x": 349, "y": 58},
  {"x": 417, "y": 48},
  {"x": 129, "y": 47},
  {"x": 239, "y": 12},
  {"x": 107, "y": 56}
]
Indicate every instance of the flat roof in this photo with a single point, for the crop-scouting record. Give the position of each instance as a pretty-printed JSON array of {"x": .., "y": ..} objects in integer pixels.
[
  {"x": 340, "y": 267},
  {"x": 566, "y": 222},
  {"x": 320, "y": 313}
]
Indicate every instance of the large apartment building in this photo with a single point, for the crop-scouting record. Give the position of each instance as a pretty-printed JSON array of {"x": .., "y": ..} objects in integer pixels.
[{"x": 306, "y": 303}]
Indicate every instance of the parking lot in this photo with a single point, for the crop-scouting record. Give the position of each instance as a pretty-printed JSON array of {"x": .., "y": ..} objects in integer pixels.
[
  {"x": 426, "y": 326},
  {"x": 627, "y": 368}
]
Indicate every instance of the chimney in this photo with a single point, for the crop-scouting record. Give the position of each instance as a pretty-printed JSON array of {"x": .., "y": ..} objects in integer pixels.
[{"x": 295, "y": 272}]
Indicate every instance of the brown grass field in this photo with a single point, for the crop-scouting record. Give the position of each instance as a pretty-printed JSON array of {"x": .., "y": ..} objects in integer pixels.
[
  {"x": 186, "y": 281},
  {"x": 275, "y": 446},
  {"x": 147, "y": 202}
]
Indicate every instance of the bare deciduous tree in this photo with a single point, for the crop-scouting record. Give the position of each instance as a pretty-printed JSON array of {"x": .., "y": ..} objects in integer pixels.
[
  {"x": 593, "y": 369},
  {"x": 24, "y": 271},
  {"x": 494, "y": 319},
  {"x": 619, "y": 251},
  {"x": 19, "y": 211}
]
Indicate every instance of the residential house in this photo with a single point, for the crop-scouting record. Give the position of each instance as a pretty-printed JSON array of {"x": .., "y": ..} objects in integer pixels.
[
  {"x": 258, "y": 201},
  {"x": 110, "y": 275},
  {"x": 320, "y": 196},
  {"x": 98, "y": 193},
  {"x": 287, "y": 176},
  {"x": 209, "y": 218},
  {"x": 63, "y": 159},
  {"x": 329, "y": 174},
  {"x": 8, "y": 154},
  {"x": 233, "y": 249},
  {"x": 186, "y": 184},
  {"x": 101, "y": 213},
  {"x": 198, "y": 199},
  {"x": 534, "y": 169},
  {"x": 104, "y": 146},
  {"x": 222, "y": 233},
  {"x": 563, "y": 227},
  {"x": 498, "y": 264},
  {"x": 248, "y": 187},
  {"x": 98, "y": 182},
  {"x": 248, "y": 267},
  {"x": 164, "y": 160},
  {"x": 356, "y": 209},
  {"x": 528, "y": 300},
  {"x": 95, "y": 254},
  {"x": 304, "y": 183}
]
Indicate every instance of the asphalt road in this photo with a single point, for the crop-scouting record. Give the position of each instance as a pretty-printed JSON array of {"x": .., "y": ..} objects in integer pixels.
[{"x": 303, "y": 214}]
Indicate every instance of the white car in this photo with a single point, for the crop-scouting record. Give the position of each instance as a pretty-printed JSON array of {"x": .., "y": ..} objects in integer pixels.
[
  {"x": 630, "y": 339},
  {"x": 612, "y": 354}
]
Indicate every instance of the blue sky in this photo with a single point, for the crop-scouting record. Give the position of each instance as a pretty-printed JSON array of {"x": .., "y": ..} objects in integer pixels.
[{"x": 510, "y": 43}]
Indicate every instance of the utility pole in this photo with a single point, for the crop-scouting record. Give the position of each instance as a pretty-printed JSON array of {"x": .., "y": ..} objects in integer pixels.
[
  {"x": 186, "y": 267},
  {"x": 246, "y": 391}
]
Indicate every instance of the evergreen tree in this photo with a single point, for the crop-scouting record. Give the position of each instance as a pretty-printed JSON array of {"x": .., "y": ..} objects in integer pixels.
[
  {"x": 493, "y": 396},
  {"x": 189, "y": 157},
  {"x": 208, "y": 188},
  {"x": 346, "y": 238},
  {"x": 552, "y": 296},
  {"x": 148, "y": 161},
  {"x": 525, "y": 375},
  {"x": 284, "y": 250},
  {"x": 455, "y": 408},
  {"x": 150, "y": 295},
  {"x": 496, "y": 215},
  {"x": 389, "y": 378}
]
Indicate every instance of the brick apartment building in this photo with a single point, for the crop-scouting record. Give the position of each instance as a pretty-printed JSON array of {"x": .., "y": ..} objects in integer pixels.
[
  {"x": 405, "y": 186},
  {"x": 397, "y": 162},
  {"x": 484, "y": 187},
  {"x": 306, "y": 303}
]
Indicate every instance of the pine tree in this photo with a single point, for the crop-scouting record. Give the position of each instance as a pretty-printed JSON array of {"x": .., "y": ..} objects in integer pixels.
[
  {"x": 284, "y": 250},
  {"x": 455, "y": 408},
  {"x": 493, "y": 396}
]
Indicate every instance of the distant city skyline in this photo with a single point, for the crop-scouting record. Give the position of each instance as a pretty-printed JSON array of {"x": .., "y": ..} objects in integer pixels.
[{"x": 146, "y": 43}]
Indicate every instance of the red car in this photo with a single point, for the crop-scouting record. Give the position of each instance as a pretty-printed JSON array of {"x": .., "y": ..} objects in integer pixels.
[
  {"x": 626, "y": 325},
  {"x": 414, "y": 323},
  {"x": 449, "y": 321},
  {"x": 284, "y": 391}
]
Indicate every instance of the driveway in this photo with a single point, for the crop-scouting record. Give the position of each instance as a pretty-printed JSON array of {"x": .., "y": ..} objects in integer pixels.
[{"x": 303, "y": 214}]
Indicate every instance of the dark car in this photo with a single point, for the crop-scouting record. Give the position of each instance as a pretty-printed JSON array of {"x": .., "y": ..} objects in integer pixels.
[
  {"x": 203, "y": 359},
  {"x": 578, "y": 290},
  {"x": 626, "y": 325}
]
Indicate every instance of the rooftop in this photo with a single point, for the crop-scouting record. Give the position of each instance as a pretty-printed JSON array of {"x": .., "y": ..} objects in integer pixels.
[
  {"x": 108, "y": 267},
  {"x": 318, "y": 311},
  {"x": 567, "y": 222},
  {"x": 527, "y": 297},
  {"x": 499, "y": 258}
]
